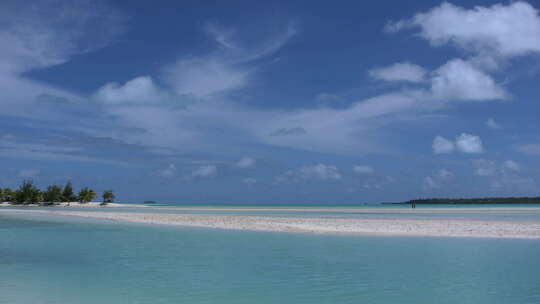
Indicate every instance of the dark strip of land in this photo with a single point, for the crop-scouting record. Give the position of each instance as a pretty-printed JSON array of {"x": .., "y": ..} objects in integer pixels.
[{"x": 486, "y": 200}]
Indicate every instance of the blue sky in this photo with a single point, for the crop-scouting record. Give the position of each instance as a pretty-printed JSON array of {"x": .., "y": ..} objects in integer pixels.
[{"x": 275, "y": 102}]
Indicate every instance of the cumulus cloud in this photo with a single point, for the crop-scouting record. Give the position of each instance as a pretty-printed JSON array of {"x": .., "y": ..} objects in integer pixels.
[
  {"x": 205, "y": 171},
  {"x": 468, "y": 143},
  {"x": 460, "y": 80},
  {"x": 249, "y": 181},
  {"x": 138, "y": 90},
  {"x": 465, "y": 143},
  {"x": 320, "y": 172},
  {"x": 363, "y": 169},
  {"x": 485, "y": 167},
  {"x": 438, "y": 179},
  {"x": 404, "y": 71},
  {"x": 168, "y": 172},
  {"x": 492, "y": 124},
  {"x": 500, "y": 30},
  {"x": 442, "y": 145},
  {"x": 505, "y": 176},
  {"x": 511, "y": 165},
  {"x": 246, "y": 162}
]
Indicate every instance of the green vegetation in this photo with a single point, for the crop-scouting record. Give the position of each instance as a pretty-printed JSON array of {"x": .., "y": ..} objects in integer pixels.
[
  {"x": 67, "y": 194},
  {"x": 486, "y": 200},
  {"x": 86, "y": 195},
  {"x": 108, "y": 197},
  {"x": 27, "y": 193},
  {"x": 52, "y": 195}
]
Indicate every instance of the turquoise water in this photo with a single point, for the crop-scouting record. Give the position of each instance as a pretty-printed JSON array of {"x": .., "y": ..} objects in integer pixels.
[
  {"x": 481, "y": 212},
  {"x": 44, "y": 259}
]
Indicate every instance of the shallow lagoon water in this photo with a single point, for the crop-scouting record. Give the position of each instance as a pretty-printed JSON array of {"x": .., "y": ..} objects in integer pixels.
[
  {"x": 44, "y": 259},
  {"x": 481, "y": 212}
]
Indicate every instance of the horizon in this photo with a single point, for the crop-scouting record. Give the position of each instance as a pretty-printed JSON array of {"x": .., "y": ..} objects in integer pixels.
[{"x": 200, "y": 103}]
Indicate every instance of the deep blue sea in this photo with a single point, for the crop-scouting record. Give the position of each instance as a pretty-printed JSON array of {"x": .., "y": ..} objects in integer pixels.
[{"x": 48, "y": 259}]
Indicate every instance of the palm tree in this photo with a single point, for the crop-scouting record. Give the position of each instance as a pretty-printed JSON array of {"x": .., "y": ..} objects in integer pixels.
[
  {"x": 108, "y": 197},
  {"x": 67, "y": 194},
  {"x": 86, "y": 195},
  {"x": 52, "y": 195},
  {"x": 8, "y": 195},
  {"x": 27, "y": 193}
]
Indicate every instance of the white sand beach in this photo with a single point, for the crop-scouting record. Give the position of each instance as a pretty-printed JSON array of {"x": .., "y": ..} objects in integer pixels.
[{"x": 318, "y": 225}]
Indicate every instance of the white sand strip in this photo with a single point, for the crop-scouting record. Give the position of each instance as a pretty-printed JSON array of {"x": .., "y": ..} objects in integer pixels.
[
  {"x": 398, "y": 227},
  {"x": 380, "y": 210}
]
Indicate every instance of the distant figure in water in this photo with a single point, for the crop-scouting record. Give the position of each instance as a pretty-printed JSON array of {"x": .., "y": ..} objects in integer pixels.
[{"x": 413, "y": 205}]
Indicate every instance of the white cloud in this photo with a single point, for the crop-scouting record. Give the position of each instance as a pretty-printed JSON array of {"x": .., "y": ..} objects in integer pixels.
[
  {"x": 505, "y": 176},
  {"x": 498, "y": 30},
  {"x": 459, "y": 80},
  {"x": 437, "y": 180},
  {"x": 488, "y": 168},
  {"x": 246, "y": 162},
  {"x": 363, "y": 169},
  {"x": 43, "y": 34},
  {"x": 404, "y": 71},
  {"x": 430, "y": 182},
  {"x": 28, "y": 173},
  {"x": 328, "y": 98},
  {"x": 468, "y": 143},
  {"x": 249, "y": 181},
  {"x": 344, "y": 130},
  {"x": 465, "y": 143},
  {"x": 205, "y": 171},
  {"x": 168, "y": 172},
  {"x": 138, "y": 90},
  {"x": 319, "y": 171},
  {"x": 511, "y": 165},
  {"x": 492, "y": 124},
  {"x": 445, "y": 174},
  {"x": 205, "y": 77},
  {"x": 48, "y": 33},
  {"x": 17, "y": 147},
  {"x": 238, "y": 50},
  {"x": 442, "y": 145},
  {"x": 314, "y": 172},
  {"x": 530, "y": 149},
  {"x": 485, "y": 167},
  {"x": 213, "y": 74}
]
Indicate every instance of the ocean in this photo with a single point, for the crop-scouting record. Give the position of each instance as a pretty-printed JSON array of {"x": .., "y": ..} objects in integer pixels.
[{"x": 48, "y": 259}]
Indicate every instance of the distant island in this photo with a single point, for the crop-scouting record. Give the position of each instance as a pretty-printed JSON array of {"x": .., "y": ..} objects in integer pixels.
[{"x": 480, "y": 201}]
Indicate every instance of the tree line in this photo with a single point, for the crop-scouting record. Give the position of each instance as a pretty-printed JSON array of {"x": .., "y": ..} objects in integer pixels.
[
  {"x": 485, "y": 200},
  {"x": 27, "y": 193}
]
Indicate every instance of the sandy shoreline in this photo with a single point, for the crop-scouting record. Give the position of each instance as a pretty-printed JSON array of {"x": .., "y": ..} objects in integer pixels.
[
  {"x": 395, "y": 227},
  {"x": 422, "y": 210},
  {"x": 369, "y": 210}
]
